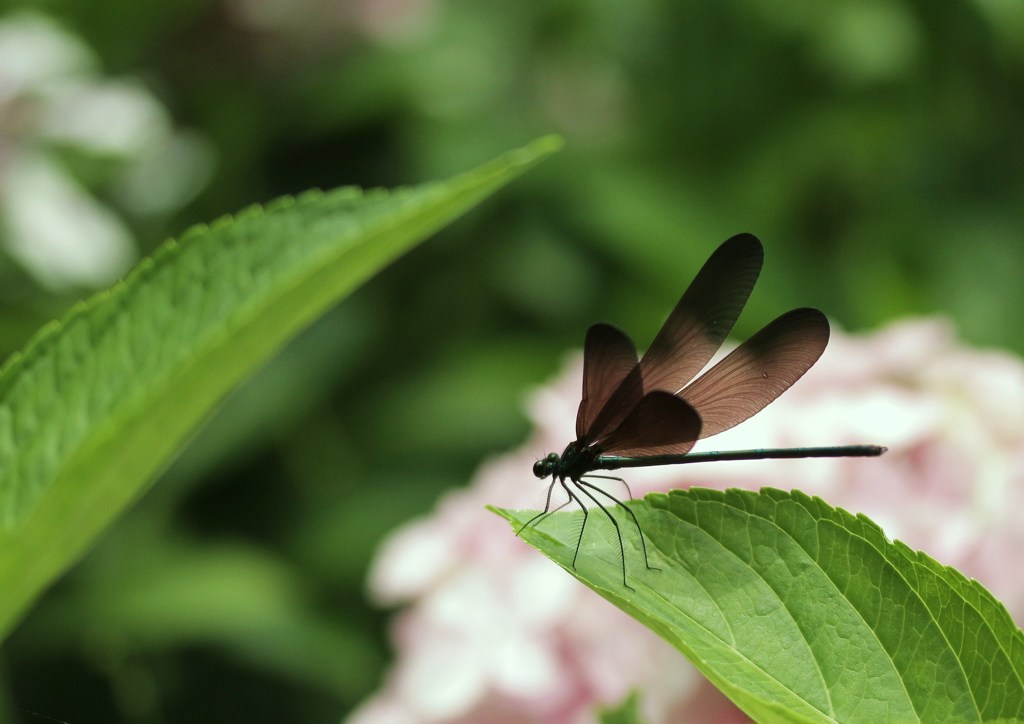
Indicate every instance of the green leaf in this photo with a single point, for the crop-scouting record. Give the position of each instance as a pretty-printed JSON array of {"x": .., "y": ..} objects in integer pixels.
[
  {"x": 97, "y": 403},
  {"x": 625, "y": 712},
  {"x": 800, "y": 611}
]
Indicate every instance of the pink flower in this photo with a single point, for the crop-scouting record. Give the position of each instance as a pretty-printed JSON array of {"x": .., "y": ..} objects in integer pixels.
[{"x": 493, "y": 632}]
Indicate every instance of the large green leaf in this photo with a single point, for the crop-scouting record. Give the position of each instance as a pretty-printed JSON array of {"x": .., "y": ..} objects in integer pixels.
[
  {"x": 802, "y": 612},
  {"x": 96, "y": 404}
]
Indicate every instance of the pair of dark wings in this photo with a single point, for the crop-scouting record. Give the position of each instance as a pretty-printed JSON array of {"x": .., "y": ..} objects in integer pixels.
[{"x": 654, "y": 406}]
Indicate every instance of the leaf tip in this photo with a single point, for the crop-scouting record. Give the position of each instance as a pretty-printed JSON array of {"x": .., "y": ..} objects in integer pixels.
[
  {"x": 504, "y": 513},
  {"x": 535, "y": 151}
]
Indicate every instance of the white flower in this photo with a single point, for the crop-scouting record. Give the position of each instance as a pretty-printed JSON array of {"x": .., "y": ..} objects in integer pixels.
[{"x": 52, "y": 98}]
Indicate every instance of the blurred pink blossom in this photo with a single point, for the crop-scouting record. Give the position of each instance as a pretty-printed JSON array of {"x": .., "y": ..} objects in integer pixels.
[{"x": 493, "y": 632}]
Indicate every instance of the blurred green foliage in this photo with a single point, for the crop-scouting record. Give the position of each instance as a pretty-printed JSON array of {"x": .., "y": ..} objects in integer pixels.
[{"x": 873, "y": 146}]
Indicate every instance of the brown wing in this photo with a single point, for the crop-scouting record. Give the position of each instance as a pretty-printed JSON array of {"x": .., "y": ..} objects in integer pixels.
[
  {"x": 704, "y": 315},
  {"x": 608, "y": 357},
  {"x": 660, "y": 424},
  {"x": 758, "y": 371}
]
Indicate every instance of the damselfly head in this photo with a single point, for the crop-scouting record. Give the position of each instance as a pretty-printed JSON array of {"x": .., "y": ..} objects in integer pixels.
[{"x": 545, "y": 466}]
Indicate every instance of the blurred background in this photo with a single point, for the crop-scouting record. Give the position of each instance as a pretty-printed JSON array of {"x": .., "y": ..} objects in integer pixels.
[{"x": 874, "y": 146}]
